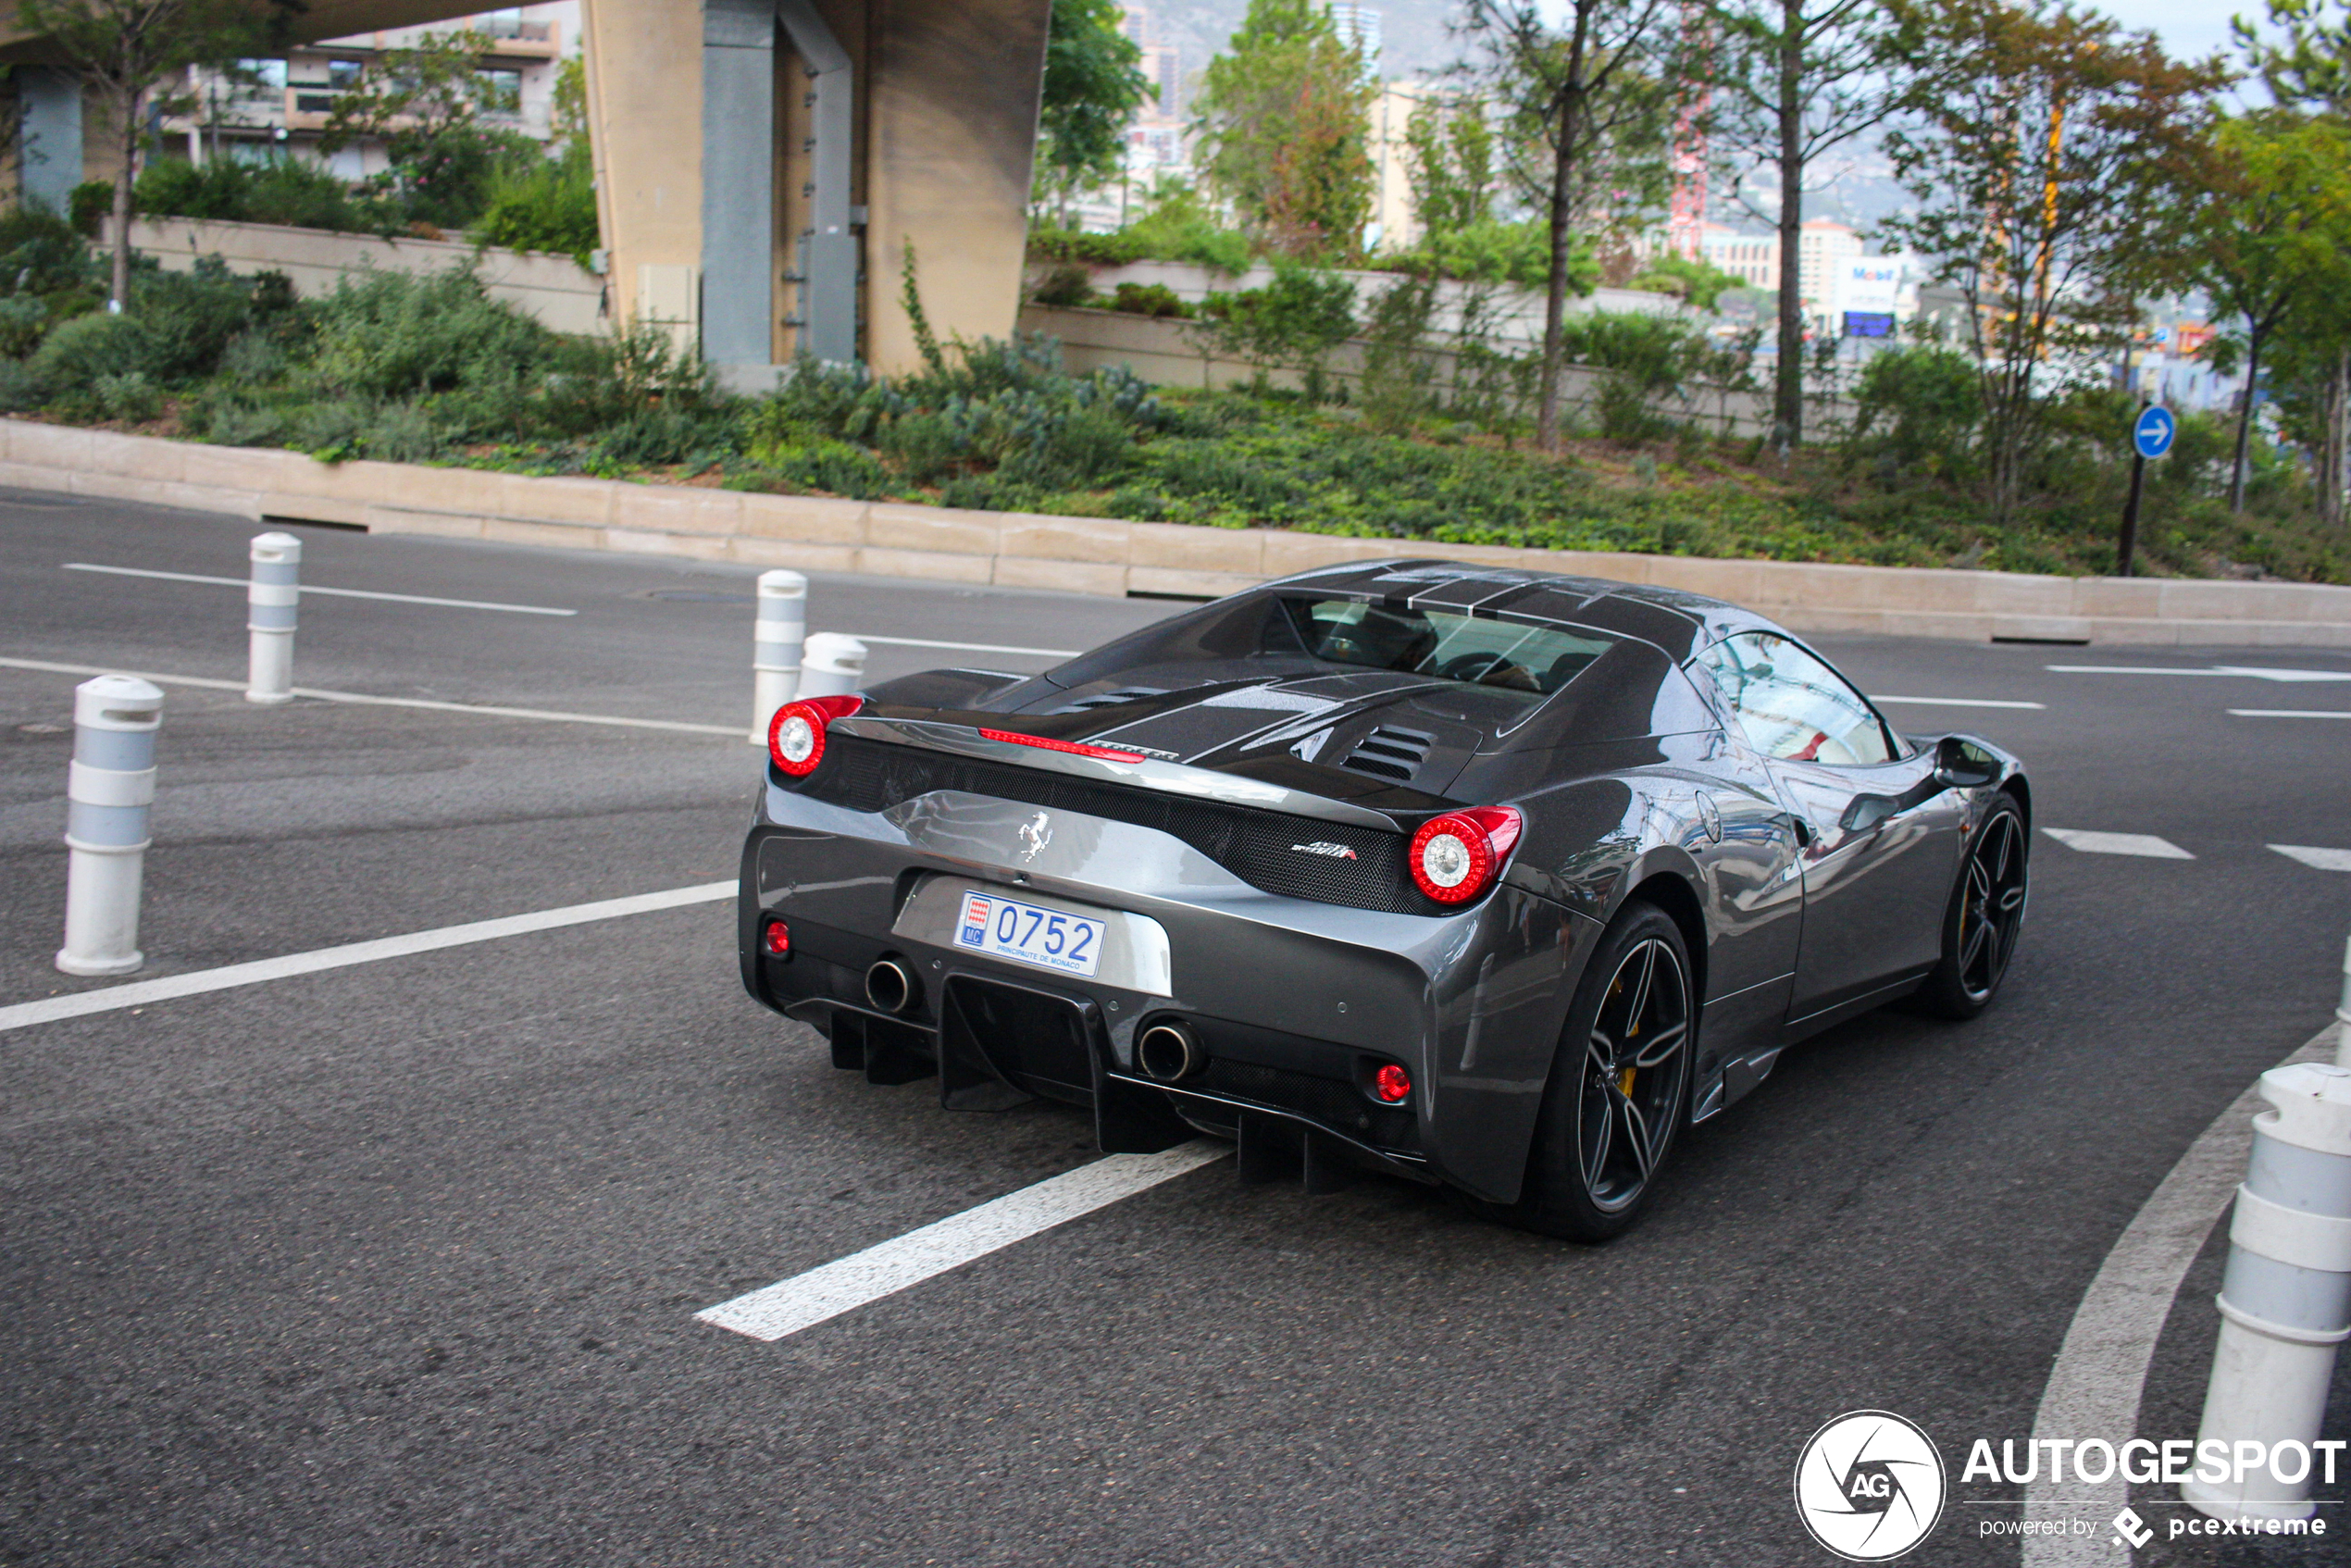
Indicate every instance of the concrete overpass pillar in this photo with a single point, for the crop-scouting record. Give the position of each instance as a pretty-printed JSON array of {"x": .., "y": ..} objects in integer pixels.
[
  {"x": 50, "y": 152},
  {"x": 740, "y": 144},
  {"x": 738, "y": 188}
]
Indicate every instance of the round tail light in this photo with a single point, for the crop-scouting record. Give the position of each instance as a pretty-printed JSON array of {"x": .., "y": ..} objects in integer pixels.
[
  {"x": 796, "y": 735},
  {"x": 1456, "y": 856},
  {"x": 1391, "y": 1085},
  {"x": 777, "y": 940}
]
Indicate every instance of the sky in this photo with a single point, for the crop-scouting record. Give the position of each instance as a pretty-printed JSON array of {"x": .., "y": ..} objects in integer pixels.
[{"x": 2190, "y": 28}]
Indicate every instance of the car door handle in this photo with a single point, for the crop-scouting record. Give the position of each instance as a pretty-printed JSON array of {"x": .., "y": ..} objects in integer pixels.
[{"x": 1806, "y": 834}]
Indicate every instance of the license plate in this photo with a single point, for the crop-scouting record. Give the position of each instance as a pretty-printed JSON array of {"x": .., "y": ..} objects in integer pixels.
[{"x": 1025, "y": 934}]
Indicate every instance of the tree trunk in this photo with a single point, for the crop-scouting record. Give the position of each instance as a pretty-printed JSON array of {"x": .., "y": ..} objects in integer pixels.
[
  {"x": 1547, "y": 408},
  {"x": 2334, "y": 426},
  {"x": 2255, "y": 332},
  {"x": 130, "y": 166},
  {"x": 1788, "y": 399}
]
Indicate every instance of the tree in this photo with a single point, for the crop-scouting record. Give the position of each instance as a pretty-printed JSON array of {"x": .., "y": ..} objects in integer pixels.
[
  {"x": 1284, "y": 126},
  {"x": 1793, "y": 85},
  {"x": 1605, "y": 81},
  {"x": 2047, "y": 152},
  {"x": 125, "y": 51},
  {"x": 425, "y": 104},
  {"x": 2310, "y": 63},
  {"x": 1092, "y": 90},
  {"x": 2270, "y": 228},
  {"x": 1449, "y": 160}
]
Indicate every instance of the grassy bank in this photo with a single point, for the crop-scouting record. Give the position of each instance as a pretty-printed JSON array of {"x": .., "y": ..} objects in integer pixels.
[{"x": 431, "y": 371}]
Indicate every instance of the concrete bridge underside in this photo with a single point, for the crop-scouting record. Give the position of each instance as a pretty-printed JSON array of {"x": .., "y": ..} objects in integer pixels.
[{"x": 763, "y": 165}]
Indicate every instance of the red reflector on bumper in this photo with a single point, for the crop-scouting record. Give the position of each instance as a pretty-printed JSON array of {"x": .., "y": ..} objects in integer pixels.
[{"x": 776, "y": 939}]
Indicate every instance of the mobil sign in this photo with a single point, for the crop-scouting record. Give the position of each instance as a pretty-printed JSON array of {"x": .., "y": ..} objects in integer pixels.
[{"x": 1865, "y": 285}]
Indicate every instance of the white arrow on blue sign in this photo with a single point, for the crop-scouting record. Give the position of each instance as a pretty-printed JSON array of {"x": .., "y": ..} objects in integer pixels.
[{"x": 2152, "y": 435}]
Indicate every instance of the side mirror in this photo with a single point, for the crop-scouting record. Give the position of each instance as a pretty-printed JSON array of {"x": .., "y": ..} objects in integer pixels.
[{"x": 1958, "y": 766}]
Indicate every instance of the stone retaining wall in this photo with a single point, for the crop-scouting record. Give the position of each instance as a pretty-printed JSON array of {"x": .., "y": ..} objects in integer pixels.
[{"x": 1103, "y": 556}]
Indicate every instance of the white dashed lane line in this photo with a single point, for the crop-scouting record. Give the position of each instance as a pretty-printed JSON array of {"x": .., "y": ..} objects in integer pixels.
[
  {"x": 2242, "y": 672},
  {"x": 2145, "y": 844},
  {"x": 1958, "y": 703},
  {"x": 2322, "y": 859},
  {"x": 2289, "y": 712},
  {"x": 845, "y": 1284},
  {"x": 313, "y": 588}
]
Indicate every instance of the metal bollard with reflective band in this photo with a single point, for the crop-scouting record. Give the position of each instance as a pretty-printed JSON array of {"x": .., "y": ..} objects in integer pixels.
[
  {"x": 109, "y": 784},
  {"x": 2285, "y": 1301},
  {"x": 271, "y": 603},
  {"x": 775, "y": 658},
  {"x": 832, "y": 665},
  {"x": 2343, "y": 1013}
]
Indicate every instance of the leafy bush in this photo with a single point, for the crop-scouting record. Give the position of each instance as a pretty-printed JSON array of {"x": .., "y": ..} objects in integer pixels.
[
  {"x": 1064, "y": 283},
  {"x": 1150, "y": 299},
  {"x": 88, "y": 204},
  {"x": 284, "y": 191},
  {"x": 546, "y": 204},
  {"x": 1917, "y": 407},
  {"x": 391, "y": 335},
  {"x": 23, "y": 320},
  {"x": 1293, "y": 322}
]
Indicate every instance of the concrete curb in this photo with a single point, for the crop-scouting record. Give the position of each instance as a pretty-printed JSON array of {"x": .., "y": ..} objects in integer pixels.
[{"x": 1104, "y": 556}]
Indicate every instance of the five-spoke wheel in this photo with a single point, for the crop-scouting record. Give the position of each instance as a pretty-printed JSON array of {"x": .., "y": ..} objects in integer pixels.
[{"x": 1980, "y": 930}]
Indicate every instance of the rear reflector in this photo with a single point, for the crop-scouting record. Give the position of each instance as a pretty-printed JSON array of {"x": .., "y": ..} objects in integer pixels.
[
  {"x": 1391, "y": 1084},
  {"x": 777, "y": 940},
  {"x": 1075, "y": 748}
]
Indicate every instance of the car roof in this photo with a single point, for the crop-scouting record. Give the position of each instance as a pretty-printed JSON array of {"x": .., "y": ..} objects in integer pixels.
[{"x": 1678, "y": 622}]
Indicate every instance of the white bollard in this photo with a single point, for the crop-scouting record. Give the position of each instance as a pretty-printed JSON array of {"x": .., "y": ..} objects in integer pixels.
[
  {"x": 833, "y": 665},
  {"x": 109, "y": 784},
  {"x": 775, "y": 653},
  {"x": 2343, "y": 1013},
  {"x": 2285, "y": 1301},
  {"x": 271, "y": 603}
]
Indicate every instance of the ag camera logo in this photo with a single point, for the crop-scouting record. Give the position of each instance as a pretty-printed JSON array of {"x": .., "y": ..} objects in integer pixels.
[{"x": 1870, "y": 1486}]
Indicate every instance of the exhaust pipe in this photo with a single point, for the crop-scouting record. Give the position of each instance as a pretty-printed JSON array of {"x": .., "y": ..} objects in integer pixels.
[
  {"x": 1167, "y": 1053},
  {"x": 889, "y": 986}
]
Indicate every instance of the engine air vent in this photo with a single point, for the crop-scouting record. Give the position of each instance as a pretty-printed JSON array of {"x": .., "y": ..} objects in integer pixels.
[
  {"x": 1389, "y": 752},
  {"x": 1112, "y": 698}
]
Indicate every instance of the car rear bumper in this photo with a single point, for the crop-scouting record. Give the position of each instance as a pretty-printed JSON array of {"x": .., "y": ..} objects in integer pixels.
[{"x": 1295, "y": 1002}]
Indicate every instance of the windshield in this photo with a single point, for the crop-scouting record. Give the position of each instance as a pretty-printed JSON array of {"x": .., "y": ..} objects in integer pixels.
[{"x": 1446, "y": 644}]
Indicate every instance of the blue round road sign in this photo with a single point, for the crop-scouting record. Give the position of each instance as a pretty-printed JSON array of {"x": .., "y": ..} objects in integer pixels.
[{"x": 2152, "y": 435}]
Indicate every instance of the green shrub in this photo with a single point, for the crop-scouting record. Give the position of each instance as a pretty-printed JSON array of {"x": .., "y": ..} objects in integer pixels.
[
  {"x": 130, "y": 397},
  {"x": 549, "y": 204},
  {"x": 43, "y": 254},
  {"x": 1293, "y": 322},
  {"x": 391, "y": 335},
  {"x": 23, "y": 321},
  {"x": 1064, "y": 283},
  {"x": 1917, "y": 407},
  {"x": 822, "y": 463},
  {"x": 1150, "y": 299},
  {"x": 77, "y": 351},
  {"x": 88, "y": 204}
]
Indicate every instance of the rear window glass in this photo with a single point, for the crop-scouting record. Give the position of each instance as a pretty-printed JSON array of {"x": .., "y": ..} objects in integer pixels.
[{"x": 1499, "y": 655}]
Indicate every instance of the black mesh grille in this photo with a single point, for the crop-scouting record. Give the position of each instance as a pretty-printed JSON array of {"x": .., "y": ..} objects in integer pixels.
[
  {"x": 1389, "y": 752},
  {"x": 1339, "y": 1106},
  {"x": 1263, "y": 848}
]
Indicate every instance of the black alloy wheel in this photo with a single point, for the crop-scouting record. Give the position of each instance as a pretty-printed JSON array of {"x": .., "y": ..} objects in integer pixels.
[
  {"x": 1620, "y": 1091},
  {"x": 1986, "y": 918}
]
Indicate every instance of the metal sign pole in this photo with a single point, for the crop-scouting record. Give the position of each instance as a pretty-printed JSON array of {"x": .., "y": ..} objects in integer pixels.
[{"x": 2130, "y": 541}]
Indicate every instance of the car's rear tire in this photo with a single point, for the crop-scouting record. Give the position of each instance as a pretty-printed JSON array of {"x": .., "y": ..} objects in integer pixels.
[
  {"x": 1619, "y": 1088},
  {"x": 1984, "y": 918}
]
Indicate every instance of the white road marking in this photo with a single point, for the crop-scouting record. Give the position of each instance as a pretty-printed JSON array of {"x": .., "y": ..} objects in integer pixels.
[
  {"x": 2145, "y": 844},
  {"x": 967, "y": 647},
  {"x": 2101, "y": 1372},
  {"x": 2322, "y": 859},
  {"x": 845, "y": 1284},
  {"x": 139, "y": 993},
  {"x": 2242, "y": 672},
  {"x": 544, "y": 715},
  {"x": 313, "y": 588},
  {"x": 1957, "y": 702},
  {"x": 2289, "y": 712}
]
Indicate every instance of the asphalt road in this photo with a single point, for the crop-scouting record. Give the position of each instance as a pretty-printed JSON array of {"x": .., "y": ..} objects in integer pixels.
[{"x": 398, "y": 1263}]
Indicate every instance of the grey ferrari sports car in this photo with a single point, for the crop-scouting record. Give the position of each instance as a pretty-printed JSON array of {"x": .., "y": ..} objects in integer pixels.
[{"x": 1487, "y": 879}]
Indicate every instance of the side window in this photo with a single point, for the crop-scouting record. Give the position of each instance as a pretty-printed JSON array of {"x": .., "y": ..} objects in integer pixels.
[{"x": 1792, "y": 706}]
